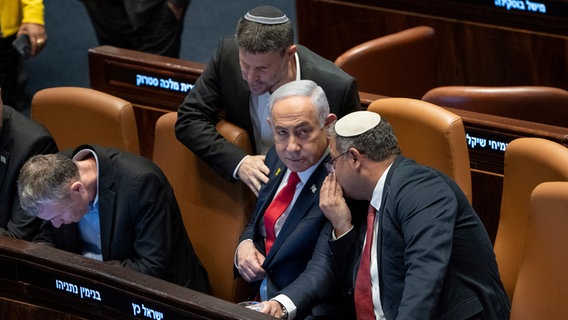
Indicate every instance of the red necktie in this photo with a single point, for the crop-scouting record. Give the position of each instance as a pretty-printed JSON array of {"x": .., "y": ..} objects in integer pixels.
[
  {"x": 277, "y": 208},
  {"x": 363, "y": 293}
]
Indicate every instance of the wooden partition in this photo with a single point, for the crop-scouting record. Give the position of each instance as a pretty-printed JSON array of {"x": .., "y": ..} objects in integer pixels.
[
  {"x": 40, "y": 282},
  {"x": 114, "y": 71},
  {"x": 479, "y": 43},
  {"x": 153, "y": 84}
]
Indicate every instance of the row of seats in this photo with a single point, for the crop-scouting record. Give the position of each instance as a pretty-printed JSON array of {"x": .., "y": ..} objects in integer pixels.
[
  {"x": 404, "y": 64},
  {"x": 215, "y": 208}
]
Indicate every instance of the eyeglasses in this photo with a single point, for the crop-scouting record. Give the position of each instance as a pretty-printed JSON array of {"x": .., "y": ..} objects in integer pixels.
[{"x": 330, "y": 165}]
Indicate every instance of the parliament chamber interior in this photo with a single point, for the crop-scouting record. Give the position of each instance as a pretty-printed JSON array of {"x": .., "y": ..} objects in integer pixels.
[{"x": 499, "y": 70}]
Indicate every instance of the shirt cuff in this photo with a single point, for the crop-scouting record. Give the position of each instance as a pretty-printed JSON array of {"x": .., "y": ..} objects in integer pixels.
[
  {"x": 333, "y": 237},
  {"x": 288, "y": 304},
  {"x": 235, "y": 176}
]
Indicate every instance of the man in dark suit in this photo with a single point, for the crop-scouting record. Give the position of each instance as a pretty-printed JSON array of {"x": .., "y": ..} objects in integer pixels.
[
  {"x": 287, "y": 254},
  {"x": 425, "y": 254},
  {"x": 153, "y": 26},
  {"x": 20, "y": 138},
  {"x": 237, "y": 83},
  {"x": 112, "y": 206}
]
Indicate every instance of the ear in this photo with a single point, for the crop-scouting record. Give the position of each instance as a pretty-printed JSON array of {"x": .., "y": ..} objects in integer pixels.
[
  {"x": 291, "y": 51},
  {"x": 330, "y": 118},
  {"x": 77, "y": 186},
  {"x": 355, "y": 158}
]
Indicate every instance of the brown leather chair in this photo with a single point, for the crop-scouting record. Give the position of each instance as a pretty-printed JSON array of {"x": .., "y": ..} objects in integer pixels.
[
  {"x": 528, "y": 162},
  {"x": 214, "y": 210},
  {"x": 75, "y": 116},
  {"x": 540, "y": 104},
  {"x": 401, "y": 64},
  {"x": 542, "y": 284},
  {"x": 429, "y": 134}
]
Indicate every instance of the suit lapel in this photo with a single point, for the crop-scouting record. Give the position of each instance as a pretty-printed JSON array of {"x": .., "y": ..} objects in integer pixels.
[
  {"x": 106, "y": 204},
  {"x": 277, "y": 174},
  {"x": 107, "y": 198}
]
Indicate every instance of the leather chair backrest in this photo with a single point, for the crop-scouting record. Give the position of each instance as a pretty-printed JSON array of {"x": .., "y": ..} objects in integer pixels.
[
  {"x": 215, "y": 211},
  {"x": 431, "y": 135},
  {"x": 402, "y": 64},
  {"x": 542, "y": 285},
  {"x": 540, "y": 104},
  {"x": 528, "y": 162},
  {"x": 76, "y": 116}
]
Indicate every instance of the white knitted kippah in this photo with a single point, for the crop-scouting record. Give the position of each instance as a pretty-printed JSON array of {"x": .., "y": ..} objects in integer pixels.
[{"x": 356, "y": 123}]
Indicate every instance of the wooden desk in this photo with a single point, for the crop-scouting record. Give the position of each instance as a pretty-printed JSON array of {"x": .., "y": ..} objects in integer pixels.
[
  {"x": 39, "y": 282},
  {"x": 152, "y": 83},
  {"x": 114, "y": 71}
]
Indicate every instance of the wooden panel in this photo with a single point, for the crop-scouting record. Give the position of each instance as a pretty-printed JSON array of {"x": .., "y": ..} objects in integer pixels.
[
  {"x": 42, "y": 282},
  {"x": 153, "y": 84},
  {"x": 470, "y": 53}
]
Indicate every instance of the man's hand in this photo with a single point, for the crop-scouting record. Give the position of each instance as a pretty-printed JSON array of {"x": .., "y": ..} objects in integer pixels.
[
  {"x": 249, "y": 261},
  {"x": 272, "y": 307},
  {"x": 333, "y": 205},
  {"x": 37, "y": 35},
  {"x": 253, "y": 172},
  {"x": 176, "y": 10}
]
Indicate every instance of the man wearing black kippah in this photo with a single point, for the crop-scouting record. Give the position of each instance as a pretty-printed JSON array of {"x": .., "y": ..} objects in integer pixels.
[{"x": 237, "y": 83}]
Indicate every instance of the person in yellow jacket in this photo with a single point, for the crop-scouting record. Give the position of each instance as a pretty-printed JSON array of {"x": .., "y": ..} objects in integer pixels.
[{"x": 18, "y": 17}]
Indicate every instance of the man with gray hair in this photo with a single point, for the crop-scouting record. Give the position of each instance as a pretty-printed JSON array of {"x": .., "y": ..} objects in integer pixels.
[
  {"x": 236, "y": 85},
  {"x": 283, "y": 249},
  {"x": 112, "y": 206},
  {"x": 422, "y": 252}
]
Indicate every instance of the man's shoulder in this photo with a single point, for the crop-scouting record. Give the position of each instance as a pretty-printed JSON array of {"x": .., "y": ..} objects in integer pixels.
[
  {"x": 27, "y": 133},
  {"x": 315, "y": 65}
]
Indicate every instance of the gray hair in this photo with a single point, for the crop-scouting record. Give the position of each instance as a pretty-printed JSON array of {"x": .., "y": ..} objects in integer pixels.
[
  {"x": 377, "y": 144},
  {"x": 256, "y": 37},
  {"x": 303, "y": 88},
  {"x": 45, "y": 178}
]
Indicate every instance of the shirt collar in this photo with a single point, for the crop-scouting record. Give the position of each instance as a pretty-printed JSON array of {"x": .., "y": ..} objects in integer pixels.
[{"x": 377, "y": 197}]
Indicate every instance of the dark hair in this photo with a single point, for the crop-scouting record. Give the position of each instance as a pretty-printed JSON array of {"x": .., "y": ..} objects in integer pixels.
[{"x": 256, "y": 37}]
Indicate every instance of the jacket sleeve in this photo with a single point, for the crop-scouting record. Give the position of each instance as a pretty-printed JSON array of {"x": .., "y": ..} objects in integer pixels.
[
  {"x": 198, "y": 115},
  {"x": 317, "y": 281},
  {"x": 151, "y": 212},
  {"x": 33, "y": 11}
]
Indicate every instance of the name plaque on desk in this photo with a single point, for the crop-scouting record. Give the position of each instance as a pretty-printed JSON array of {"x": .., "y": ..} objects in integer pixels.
[
  {"x": 96, "y": 295},
  {"x": 124, "y": 74}
]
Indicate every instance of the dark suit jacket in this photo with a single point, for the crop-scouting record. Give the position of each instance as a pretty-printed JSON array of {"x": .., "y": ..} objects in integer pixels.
[
  {"x": 141, "y": 223},
  {"x": 436, "y": 260},
  {"x": 221, "y": 88},
  {"x": 20, "y": 139},
  {"x": 139, "y": 12},
  {"x": 299, "y": 263}
]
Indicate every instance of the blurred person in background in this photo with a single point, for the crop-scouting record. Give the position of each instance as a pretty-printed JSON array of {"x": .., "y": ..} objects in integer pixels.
[
  {"x": 22, "y": 20},
  {"x": 153, "y": 26}
]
